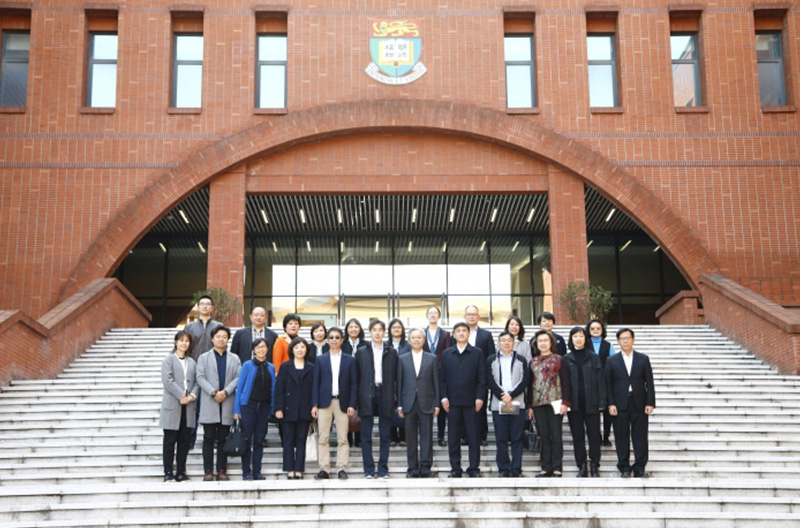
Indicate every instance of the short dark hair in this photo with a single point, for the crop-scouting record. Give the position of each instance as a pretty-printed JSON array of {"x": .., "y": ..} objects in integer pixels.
[
  {"x": 318, "y": 325},
  {"x": 291, "y": 317},
  {"x": 210, "y": 298},
  {"x": 433, "y": 307},
  {"x": 178, "y": 336},
  {"x": 521, "y": 335},
  {"x": 335, "y": 329},
  {"x": 377, "y": 322},
  {"x": 623, "y": 330},
  {"x": 358, "y": 324},
  {"x": 460, "y": 323},
  {"x": 257, "y": 341},
  {"x": 602, "y": 325},
  {"x": 553, "y": 342},
  {"x": 578, "y": 329},
  {"x": 296, "y": 341},
  {"x": 221, "y": 329},
  {"x": 546, "y": 315},
  {"x": 403, "y": 335},
  {"x": 505, "y": 333}
]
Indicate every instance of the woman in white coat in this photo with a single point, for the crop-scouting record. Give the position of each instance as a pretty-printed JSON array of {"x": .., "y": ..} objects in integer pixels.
[{"x": 179, "y": 376}]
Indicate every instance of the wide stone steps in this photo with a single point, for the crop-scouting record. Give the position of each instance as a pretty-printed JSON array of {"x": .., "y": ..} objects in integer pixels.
[{"x": 85, "y": 450}]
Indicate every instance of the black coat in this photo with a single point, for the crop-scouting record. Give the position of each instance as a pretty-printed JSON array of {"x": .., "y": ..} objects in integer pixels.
[
  {"x": 594, "y": 381},
  {"x": 463, "y": 376},
  {"x": 293, "y": 391},
  {"x": 366, "y": 379},
  {"x": 242, "y": 344},
  {"x": 445, "y": 342},
  {"x": 640, "y": 380}
]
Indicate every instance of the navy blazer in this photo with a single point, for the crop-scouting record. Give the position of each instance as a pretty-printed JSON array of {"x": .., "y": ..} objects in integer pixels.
[
  {"x": 242, "y": 344},
  {"x": 640, "y": 381},
  {"x": 293, "y": 391},
  {"x": 322, "y": 390},
  {"x": 561, "y": 346},
  {"x": 463, "y": 376},
  {"x": 485, "y": 341},
  {"x": 348, "y": 349}
]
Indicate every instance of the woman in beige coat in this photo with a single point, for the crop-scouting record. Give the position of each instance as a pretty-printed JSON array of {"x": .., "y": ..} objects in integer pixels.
[{"x": 178, "y": 374}]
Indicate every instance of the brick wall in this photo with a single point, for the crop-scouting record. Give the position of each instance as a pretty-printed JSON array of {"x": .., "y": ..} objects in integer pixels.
[
  {"x": 756, "y": 323},
  {"x": 682, "y": 309}
]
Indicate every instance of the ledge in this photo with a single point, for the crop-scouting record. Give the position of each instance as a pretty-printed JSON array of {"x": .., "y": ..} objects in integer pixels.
[
  {"x": 692, "y": 109},
  {"x": 523, "y": 111},
  {"x": 181, "y": 111},
  {"x": 680, "y": 296},
  {"x": 9, "y": 318},
  {"x": 761, "y": 306},
  {"x": 606, "y": 110},
  {"x": 785, "y": 109},
  {"x": 270, "y": 10},
  {"x": 13, "y": 109},
  {"x": 96, "y": 110},
  {"x": 270, "y": 111}
]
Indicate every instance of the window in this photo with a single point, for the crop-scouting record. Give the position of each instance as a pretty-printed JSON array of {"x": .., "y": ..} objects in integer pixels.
[
  {"x": 602, "y": 71},
  {"x": 685, "y": 69},
  {"x": 771, "y": 80},
  {"x": 14, "y": 68},
  {"x": 102, "y": 82},
  {"x": 520, "y": 85},
  {"x": 188, "y": 71},
  {"x": 271, "y": 90}
]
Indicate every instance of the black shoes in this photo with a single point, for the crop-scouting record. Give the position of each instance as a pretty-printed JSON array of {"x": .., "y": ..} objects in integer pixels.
[
  {"x": 454, "y": 474},
  {"x": 342, "y": 475},
  {"x": 505, "y": 474},
  {"x": 169, "y": 477},
  {"x": 442, "y": 442},
  {"x": 606, "y": 441},
  {"x": 543, "y": 474},
  {"x": 582, "y": 472},
  {"x": 474, "y": 474},
  {"x": 426, "y": 473},
  {"x": 322, "y": 475},
  {"x": 643, "y": 474},
  {"x": 595, "y": 470},
  {"x": 626, "y": 474}
]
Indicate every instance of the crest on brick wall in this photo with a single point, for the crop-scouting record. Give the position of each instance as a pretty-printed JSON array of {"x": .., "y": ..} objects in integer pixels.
[{"x": 395, "y": 47}]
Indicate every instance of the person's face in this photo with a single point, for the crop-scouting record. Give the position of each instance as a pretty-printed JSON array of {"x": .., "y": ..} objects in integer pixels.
[
  {"x": 353, "y": 330},
  {"x": 461, "y": 334},
  {"x": 472, "y": 316},
  {"x": 595, "y": 329},
  {"x": 292, "y": 327},
  {"x": 625, "y": 341},
  {"x": 220, "y": 340},
  {"x": 513, "y": 327},
  {"x": 299, "y": 351},
  {"x": 432, "y": 315},
  {"x": 546, "y": 324},
  {"x": 260, "y": 351},
  {"x": 319, "y": 334},
  {"x": 377, "y": 332},
  {"x": 396, "y": 330},
  {"x": 578, "y": 340},
  {"x": 417, "y": 340},
  {"x": 506, "y": 343},
  {"x": 183, "y": 344},
  {"x": 335, "y": 341},
  {"x": 543, "y": 344},
  {"x": 205, "y": 307},
  {"x": 258, "y": 317}
]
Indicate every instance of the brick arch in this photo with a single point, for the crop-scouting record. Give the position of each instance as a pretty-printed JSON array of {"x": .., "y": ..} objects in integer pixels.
[{"x": 136, "y": 218}]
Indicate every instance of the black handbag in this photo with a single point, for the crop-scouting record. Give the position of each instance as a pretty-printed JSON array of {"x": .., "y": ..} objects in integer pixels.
[
  {"x": 531, "y": 439},
  {"x": 235, "y": 443}
]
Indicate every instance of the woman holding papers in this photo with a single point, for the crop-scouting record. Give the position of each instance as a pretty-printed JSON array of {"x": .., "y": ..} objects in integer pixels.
[{"x": 548, "y": 401}]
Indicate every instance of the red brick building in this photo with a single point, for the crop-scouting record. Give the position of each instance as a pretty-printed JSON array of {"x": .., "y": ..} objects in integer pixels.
[{"x": 680, "y": 115}]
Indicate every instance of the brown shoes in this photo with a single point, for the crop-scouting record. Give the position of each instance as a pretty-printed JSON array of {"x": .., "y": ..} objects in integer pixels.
[
  {"x": 223, "y": 475},
  {"x": 208, "y": 477}
]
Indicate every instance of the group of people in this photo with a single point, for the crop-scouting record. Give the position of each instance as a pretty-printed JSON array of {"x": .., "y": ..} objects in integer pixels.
[{"x": 359, "y": 380}]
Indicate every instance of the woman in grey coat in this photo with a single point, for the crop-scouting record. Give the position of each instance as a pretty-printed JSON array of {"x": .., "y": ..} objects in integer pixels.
[{"x": 179, "y": 376}]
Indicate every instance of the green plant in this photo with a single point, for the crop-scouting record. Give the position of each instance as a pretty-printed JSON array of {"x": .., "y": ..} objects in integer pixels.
[
  {"x": 226, "y": 305},
  {"x": 583, "y": 302}
]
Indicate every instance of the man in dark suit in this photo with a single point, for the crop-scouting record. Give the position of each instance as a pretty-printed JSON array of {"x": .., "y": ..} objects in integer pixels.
[
  {"x": 333, "y": 397},
  {"x": 463, "y": 390},
  {"x": 483, "y": 340},
  {"x": 376, "y": 363},
  {"x": 631, "y": 399},
  {"x": 437, "y": 340},
  {"x": 546, "y": 322},
  {"x": 418, "y": 403},
  {"x": 244, "y": 337}
]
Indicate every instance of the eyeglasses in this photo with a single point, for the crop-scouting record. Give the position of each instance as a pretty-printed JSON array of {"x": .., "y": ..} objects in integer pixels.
[{"x": 334, "y": 337}]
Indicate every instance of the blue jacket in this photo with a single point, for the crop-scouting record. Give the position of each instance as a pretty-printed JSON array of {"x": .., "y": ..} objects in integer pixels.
[
  {"x": 321, "y": 392},
  {"x": 246, "y": 378}
]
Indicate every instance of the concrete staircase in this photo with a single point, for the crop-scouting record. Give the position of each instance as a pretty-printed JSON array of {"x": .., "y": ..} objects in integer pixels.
[{"x": 85, "y": 450}]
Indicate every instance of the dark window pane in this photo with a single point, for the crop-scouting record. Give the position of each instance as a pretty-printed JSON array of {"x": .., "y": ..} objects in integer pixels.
[
  {"x": 14, "y": 84},
  {"x": 520, "y": 90},
  {"x": 768, "y": 45},
  {"x": 770, "y": 79},
  {"x": 17, "y": 45}
]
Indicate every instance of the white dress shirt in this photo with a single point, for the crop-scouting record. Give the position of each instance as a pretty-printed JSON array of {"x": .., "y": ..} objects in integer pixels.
[
  {"x": 417, "y": 357},
  {"x": 377, "y": 361},
  {"x": 628, "y": 358},
  {"x": 505, "y": 370},
  {"x": 336, "y": 361},
  {"x": 473, "y": 335}
]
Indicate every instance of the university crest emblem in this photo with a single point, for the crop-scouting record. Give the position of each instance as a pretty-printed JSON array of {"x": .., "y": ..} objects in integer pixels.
[{"x": 395, "y": 47}]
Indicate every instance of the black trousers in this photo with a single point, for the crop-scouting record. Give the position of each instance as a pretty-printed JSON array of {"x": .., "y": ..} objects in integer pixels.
[
  {"x": 463, "y": 420},
  {"x": 181, "y": 437},
  {"x": 211, "y": 433},
  {"x": 295, "y": 435},
  {"x": 441, "y": 424},
  {"x": 582, "y": 425},
  {"x": 631, "y": 424},
  {"x": 548, "y": 423},
  {"x": 608, "y": 420}
]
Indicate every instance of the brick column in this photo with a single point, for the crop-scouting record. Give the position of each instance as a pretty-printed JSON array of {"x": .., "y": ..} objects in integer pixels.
[
  {"x": 226, "y": 230},
  {"x": 569, "y": 261}
]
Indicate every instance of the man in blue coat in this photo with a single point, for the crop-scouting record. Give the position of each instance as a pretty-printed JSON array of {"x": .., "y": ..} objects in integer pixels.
[{"x": 483, "y": 340}]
